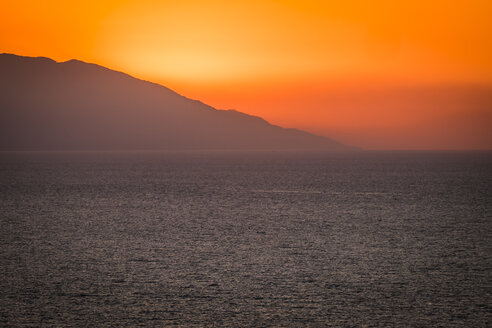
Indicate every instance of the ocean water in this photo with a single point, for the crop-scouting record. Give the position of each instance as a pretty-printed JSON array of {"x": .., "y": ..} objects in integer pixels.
[{"x": 363, "y": 239}]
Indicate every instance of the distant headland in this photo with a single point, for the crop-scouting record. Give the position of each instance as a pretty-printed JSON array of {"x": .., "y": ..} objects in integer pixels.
[{"x": 73, "y": 105}]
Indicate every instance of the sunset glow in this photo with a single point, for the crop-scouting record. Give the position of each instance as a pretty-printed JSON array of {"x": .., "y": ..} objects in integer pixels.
[{"x": 376, "y": 74}]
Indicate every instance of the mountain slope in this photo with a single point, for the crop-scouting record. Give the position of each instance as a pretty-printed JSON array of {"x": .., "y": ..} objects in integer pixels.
[{"x": 45, "y": 105}]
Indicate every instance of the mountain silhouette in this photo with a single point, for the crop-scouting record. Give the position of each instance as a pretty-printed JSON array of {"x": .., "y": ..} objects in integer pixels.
[{"x": 72, "y": 105}]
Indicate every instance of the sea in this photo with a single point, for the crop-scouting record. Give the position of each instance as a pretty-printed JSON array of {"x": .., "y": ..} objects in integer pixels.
[{"x": 246, "y": 239}]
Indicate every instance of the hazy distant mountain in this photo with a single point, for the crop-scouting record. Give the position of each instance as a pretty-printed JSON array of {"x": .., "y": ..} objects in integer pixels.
[{"x": 45, "y": 105}]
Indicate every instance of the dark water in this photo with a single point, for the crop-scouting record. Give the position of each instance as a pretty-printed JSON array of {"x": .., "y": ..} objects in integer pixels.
[{"x": 370, "y": 239}]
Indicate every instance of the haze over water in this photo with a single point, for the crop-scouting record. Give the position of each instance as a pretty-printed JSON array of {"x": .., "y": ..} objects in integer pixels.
[{"x": 356, "y": 239}]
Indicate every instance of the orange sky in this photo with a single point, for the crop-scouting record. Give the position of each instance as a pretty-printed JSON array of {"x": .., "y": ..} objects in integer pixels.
[{"x": 376, "y": 74}]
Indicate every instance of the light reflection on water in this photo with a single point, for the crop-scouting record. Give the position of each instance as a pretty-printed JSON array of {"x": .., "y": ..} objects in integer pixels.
[{"x": 257, "y": 239}]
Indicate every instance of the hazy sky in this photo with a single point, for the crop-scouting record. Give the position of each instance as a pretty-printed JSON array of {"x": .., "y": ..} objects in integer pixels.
[{"x": 377, "y": 74}]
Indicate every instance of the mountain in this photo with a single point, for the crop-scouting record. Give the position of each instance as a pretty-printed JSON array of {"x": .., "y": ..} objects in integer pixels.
[{"x": 48, "y": 105}]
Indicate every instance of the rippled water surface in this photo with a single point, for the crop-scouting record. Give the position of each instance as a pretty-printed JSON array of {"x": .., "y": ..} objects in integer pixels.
[{"x": 371, "y": 239}]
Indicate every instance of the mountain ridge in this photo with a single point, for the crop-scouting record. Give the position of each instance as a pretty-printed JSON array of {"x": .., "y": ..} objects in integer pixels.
[{"x": 74, "y": 105}]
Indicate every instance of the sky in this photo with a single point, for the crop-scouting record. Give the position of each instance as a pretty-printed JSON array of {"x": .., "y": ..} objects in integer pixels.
[{"x": 375, "y": 74}]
